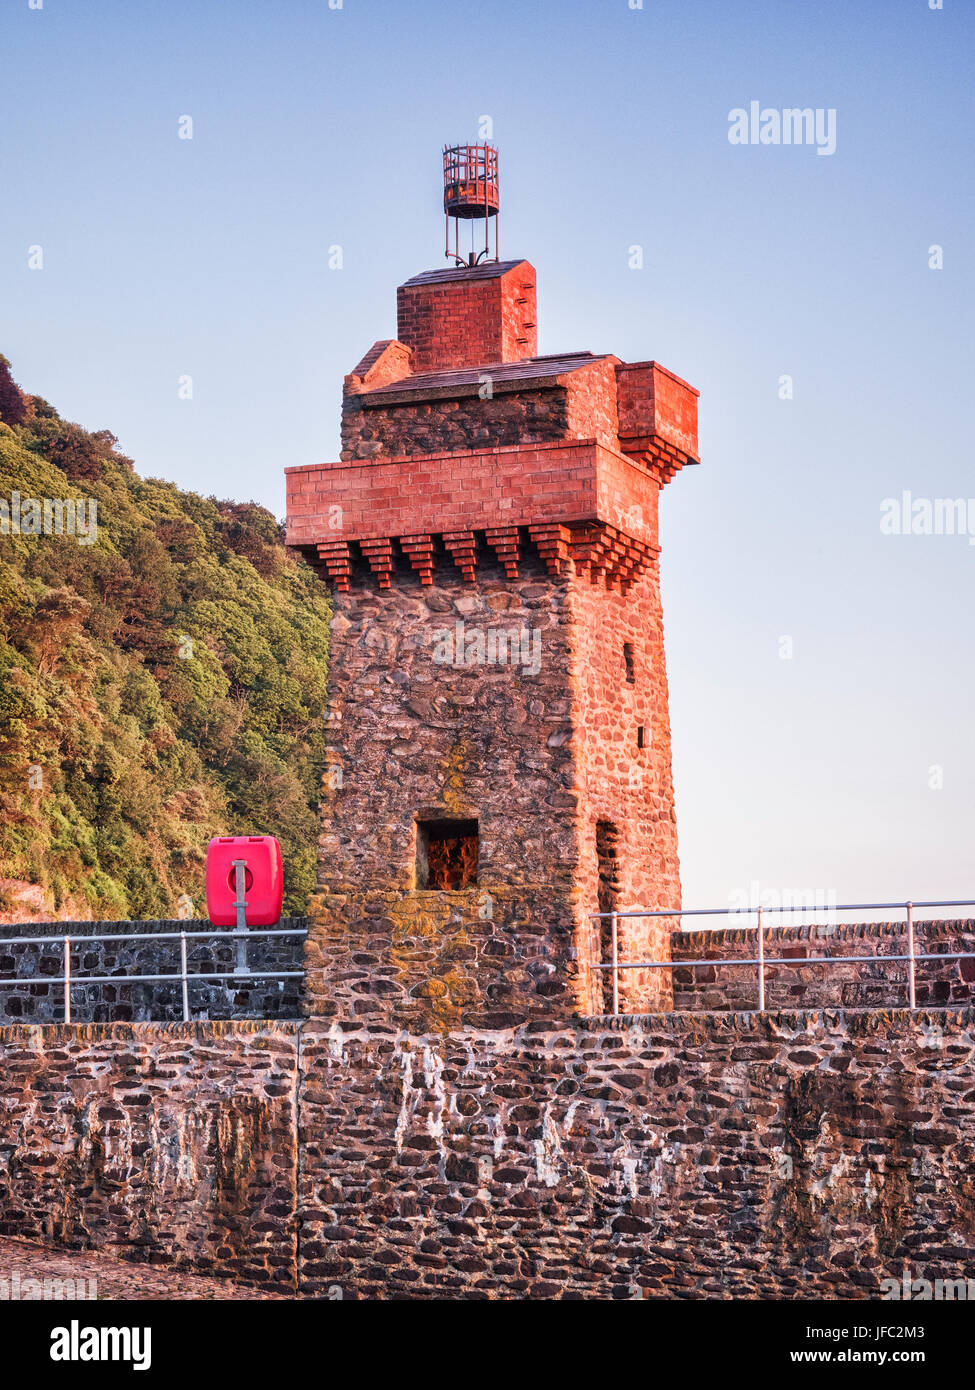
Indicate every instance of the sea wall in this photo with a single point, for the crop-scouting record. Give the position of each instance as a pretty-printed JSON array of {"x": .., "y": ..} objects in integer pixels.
[
  {"x": 173, "y": 1143},
  {"x": 795, "y": 1155}
]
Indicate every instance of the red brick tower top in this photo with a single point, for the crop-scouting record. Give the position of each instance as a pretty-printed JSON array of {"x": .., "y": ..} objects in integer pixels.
[
  {"x": 468, "y": 316},
  {"x": 456, "y": 435}
]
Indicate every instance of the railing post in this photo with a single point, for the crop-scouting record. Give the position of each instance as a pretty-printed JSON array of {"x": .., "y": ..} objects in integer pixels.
[
  {"x": 615, "y": 937},
  {"x": 911, "y": 991},
  {"x": 240, "y": 867},
  {"x": 761, "y": 964},
  {"x": 182, "y": 967},
  {"x": 67, "y": 979}
]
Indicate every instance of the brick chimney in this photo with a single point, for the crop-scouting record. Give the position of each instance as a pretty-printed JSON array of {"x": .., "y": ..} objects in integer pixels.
[{"x": 469, "y": 317}]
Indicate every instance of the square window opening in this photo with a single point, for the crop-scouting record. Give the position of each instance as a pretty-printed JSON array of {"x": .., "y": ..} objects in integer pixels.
[{"x": 446, "y": 855}]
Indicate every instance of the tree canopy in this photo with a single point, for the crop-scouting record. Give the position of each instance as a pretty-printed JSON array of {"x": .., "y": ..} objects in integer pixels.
[{"x": 161, "y": 684}]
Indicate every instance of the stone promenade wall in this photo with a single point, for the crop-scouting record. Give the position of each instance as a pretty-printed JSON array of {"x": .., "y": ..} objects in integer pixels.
[
  {"x": 173, "y": 1143},
  {"x": 802, "y": 1155},
  {"x": 791, "y": 1155},
  {"x": 36, "y": 1001},
  {"x": 872, "y": 982}
]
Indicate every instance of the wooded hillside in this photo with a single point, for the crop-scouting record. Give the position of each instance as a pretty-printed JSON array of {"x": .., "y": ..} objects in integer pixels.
[{"x": 162, "y": 678}]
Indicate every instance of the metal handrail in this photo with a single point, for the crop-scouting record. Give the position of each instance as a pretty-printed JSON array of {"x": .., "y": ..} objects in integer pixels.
[
  {"x": 791, "y": 907},
  {"x": 150, "y": 936},
  {"x": 238, "y": 935},
  {"x": 912, "y": 957}
]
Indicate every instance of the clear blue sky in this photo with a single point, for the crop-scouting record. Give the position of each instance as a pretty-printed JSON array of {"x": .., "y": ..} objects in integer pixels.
[{"x": 314, "y": 127}]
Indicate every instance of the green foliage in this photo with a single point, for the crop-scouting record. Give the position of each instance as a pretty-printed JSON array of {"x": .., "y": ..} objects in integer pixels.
[{"x": 157, "y": 687}]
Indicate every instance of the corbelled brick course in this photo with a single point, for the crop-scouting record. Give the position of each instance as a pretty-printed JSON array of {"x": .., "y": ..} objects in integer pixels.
[{"x": 513, "y": 485}]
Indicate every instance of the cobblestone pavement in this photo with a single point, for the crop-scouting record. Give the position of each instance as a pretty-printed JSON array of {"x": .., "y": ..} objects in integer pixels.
[{"x": 23, "y": 1261}]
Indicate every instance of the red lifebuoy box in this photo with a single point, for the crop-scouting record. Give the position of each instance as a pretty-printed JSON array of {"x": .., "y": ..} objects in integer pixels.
[{"x": 263, "y": 880}]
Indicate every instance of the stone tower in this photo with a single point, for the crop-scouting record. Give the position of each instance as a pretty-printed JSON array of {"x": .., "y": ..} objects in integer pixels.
[{"x": 499, "y": 735}]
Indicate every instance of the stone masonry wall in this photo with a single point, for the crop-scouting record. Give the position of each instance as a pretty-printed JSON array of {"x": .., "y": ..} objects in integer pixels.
[
  {"x": 417, "y": 738},
  {"x": 444, "y": 426},
  {"x": 36, "y": 1001},
  {"x": 626, "y": 781},
  {"x": 805, "y": 1155},
  {"x": 537, "y": 750},
  {"x": 873, "y": 982},
  {"x": 172, "y": 1143},
  {"x": 580, "y": 404},
  {"x": 793, "y": 1155}
]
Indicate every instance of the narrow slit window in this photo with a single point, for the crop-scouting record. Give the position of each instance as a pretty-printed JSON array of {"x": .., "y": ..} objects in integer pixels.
[
  {"x": 629, "y": 663},
  {"x": 607, "y": 893}
]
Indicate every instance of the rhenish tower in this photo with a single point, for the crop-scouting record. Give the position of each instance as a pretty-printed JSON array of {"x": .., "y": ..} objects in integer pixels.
[{"x": 499, "y": 734}]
